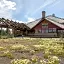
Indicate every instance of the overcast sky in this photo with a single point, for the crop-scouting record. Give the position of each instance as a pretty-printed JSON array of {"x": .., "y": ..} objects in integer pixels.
[{"x": 29, "y": 10}]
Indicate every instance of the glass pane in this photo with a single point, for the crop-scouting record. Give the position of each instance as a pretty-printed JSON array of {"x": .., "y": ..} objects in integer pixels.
[
  {"x": 54, "y": 29},
  {"x": 50, "y": 30}
]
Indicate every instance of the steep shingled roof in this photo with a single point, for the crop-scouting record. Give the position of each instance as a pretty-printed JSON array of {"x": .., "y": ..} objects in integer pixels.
[
  {"x": 55, "y": 20},
  {"x": 6, "y": 23},
  {"x": 33, "y": 23}
]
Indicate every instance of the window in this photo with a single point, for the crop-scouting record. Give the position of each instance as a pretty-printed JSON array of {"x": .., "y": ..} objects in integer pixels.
[
  {"x": 50, "y": 30},
  {"x": 46, "y": 30},
  {"x": 54, "y": 29},
  {"x": 38, "y": 31},
  {"x": 45, "y": 25}
]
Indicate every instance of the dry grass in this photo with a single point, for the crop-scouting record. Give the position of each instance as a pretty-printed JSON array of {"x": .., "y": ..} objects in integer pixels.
[{"x": 25, "y": 48}]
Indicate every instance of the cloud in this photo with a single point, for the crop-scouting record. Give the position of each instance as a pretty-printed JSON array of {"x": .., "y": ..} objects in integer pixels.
[
  {"x": 6, "y": 8},
  {"x": 30, "y": 19},
  {"x": 38, "y": 7},
  {"x": 19, "y": 6},
  {"x": 17, "y": 20},
  {"x": 46, "y": 3},
  {"x": 7, "y": 4},
  {"x": 56, "y": 3}
]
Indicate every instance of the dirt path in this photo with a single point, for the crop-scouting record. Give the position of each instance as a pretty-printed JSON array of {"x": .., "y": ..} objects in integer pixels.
[{"x": 5, "y": 60}]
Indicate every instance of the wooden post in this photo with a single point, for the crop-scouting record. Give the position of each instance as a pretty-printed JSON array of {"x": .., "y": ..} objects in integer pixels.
[{"x": 1, "y": 32}]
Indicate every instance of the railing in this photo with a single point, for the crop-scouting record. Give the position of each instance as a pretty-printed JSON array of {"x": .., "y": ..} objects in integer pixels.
[{"x": 44, "y": 34}]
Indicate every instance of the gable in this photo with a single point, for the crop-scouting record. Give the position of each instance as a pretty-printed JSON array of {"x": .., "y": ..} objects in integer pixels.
[{"x": 44, "y": 22}]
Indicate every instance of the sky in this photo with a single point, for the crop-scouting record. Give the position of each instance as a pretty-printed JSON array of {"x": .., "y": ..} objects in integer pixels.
[{"x": 24, "y": 11}]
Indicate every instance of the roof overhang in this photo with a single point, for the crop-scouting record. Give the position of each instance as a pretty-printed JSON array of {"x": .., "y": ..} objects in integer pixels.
[{"x": 58, "y": 24}]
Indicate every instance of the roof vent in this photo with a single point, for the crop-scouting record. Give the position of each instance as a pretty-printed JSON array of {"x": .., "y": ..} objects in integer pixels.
[{"x": 53, "y": 15}]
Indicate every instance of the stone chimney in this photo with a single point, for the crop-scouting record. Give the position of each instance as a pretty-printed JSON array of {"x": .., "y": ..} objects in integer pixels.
[{"x": 43, "y": 14}]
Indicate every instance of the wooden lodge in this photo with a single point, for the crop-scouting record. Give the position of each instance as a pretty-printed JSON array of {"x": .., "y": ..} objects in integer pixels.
[{"x": 47, "y": 26}]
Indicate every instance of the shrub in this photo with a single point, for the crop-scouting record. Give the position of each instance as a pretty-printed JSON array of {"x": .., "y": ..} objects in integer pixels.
[{"x": 7, "y": 54}]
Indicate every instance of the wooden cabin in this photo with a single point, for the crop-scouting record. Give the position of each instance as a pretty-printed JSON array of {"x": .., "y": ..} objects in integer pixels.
[
  {"x": 13, "y": 28},
  {"x": 47, "y": 26}
]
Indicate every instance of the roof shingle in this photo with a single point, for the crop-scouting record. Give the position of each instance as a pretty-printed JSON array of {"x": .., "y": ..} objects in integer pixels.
[{"x": 55, "y": 20}]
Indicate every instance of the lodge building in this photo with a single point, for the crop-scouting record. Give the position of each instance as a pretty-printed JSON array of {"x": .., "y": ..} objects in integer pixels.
[
  {"x": 47, "y": 26},
  {"x": 12, "y": 28}
]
